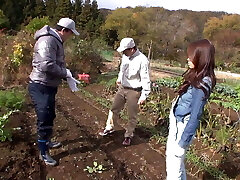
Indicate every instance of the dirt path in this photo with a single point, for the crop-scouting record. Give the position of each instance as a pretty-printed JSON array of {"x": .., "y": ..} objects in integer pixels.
[{"x": 77, "y": 125}]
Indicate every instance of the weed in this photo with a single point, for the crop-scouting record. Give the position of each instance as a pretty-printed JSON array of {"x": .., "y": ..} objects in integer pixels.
[
  {"x": 5, "y": 134},
  {"x": 97, "y": 168},
  {"x": 51, "y": 178},
  {"x": 11, "y": 100},
  {"x": 204, "y": 164}
]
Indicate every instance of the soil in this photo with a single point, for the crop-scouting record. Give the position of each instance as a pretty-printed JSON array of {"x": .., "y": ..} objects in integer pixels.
[{"x": 77, "y": 125}]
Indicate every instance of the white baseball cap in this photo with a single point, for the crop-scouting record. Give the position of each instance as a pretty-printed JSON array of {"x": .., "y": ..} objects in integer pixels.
[
  {"x": 126, "y": 43},
  {"x": 68, "y": 23}
]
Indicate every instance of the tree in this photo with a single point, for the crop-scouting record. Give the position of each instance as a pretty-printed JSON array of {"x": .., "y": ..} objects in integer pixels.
[
  {"x": 214, "y": 25},
  {"x": 50, "y": 8},
  {"x": 93, "y": 25},
  {"x": 13, "y": 10},
  {"x": 94, "y": 9},
  {"x": 29, "y": 10},
  {"x": 40, "y": 9},
  {"x": 77, "y": 9},
  {"x": 4, "y": 22},
  {"x": 64, "y": 9},
  {"x": 121, "y": 20},
  {"x": 86, "y": 15}
]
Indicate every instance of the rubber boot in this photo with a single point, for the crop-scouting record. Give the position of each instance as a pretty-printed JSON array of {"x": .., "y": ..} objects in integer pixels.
[
  {"x": 44, "y": 153},
  {"x": 54, "y": 144}
]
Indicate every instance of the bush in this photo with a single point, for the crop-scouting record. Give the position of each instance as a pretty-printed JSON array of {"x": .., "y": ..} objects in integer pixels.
[
  {"x": 36, "y": 24},
  {"x": 4, "y": 21},
  {"x": 83, "y": 56},
  {"x": 11, "y": 100},
  {"x": 16, "y": 57}
]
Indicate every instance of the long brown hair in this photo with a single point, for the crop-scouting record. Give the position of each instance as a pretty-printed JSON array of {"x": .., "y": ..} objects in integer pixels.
[{"x": 201, "y": 54}]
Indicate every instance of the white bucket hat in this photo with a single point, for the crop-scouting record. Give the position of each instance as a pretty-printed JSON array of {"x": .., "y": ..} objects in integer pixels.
[
  {"x": 68, "y": 23},
  {"x": 126, "y": 43}
]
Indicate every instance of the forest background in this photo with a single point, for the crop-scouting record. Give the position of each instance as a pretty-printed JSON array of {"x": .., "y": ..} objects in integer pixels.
[{"x": 160, "y": 33}]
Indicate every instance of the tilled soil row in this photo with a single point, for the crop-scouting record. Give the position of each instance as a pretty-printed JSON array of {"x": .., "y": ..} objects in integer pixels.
[{"x": 77, "y": 125}]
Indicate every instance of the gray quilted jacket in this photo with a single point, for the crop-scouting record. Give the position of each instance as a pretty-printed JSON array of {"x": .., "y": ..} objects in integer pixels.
[{"x": 48, "y": 58}]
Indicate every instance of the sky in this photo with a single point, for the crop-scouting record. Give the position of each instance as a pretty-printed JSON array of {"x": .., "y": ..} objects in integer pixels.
[{"x": 229, "y": 6}]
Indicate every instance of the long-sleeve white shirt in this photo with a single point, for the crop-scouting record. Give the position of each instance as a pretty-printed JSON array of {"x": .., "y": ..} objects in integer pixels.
[{"x": 134, "y": 73}]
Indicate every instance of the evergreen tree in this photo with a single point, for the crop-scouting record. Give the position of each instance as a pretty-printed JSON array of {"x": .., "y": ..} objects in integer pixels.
[
  {"x": 40, "y": 9},
  {"x": 29, "y": 10},
  {"x": 50, "y": 8},
  {"x": 86, "y": 14},
  {"x": 64, "y": 9},
  {"x": 13, "y": 10},
  {"x": 4, "y": 22},
  {"x": 77, "y": 10},
  {"x": 94, "y": 9}
]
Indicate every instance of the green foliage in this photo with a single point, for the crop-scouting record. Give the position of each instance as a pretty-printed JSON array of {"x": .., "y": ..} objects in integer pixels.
[
  {"x": 40, "y": 8},
  {"x": 63, "y": 9},
  {"x": 51, "y": 8},
  {"x": 36, "y": 24},
  {"x": 29, "y": 10},
  {"x": 13, "y": 10},
  {"x": 169, "y": 82},
  {"x": 205, "y": 165},
  {"x": 225, "y": 135},
  {"x": 5, "y": 134},
  {"x": 97, "y": 168},
  {"x": 11, "y": 100},
  {"x": 85, "y": 16},
  {"x": 4, "y": 22},
  {"x": 225, "y": 90},
  {"x": 85, "y": 56},
  {"x": 89, "y": 20},
  {"x": 122, "y": 21},
  {"x": 77, "y": 9},
  {"x": 230, "y": 95},
  {"x": 107, "y": 54},
  {"x": 111, "y": 84}
]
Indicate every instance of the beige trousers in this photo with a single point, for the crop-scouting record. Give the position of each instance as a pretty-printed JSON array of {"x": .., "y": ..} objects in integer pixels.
[{"x": 130, "y": 97}]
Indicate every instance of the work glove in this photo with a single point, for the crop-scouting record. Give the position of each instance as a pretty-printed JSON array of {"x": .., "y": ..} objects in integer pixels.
[
  {"x": 69, "y": 74},
  {"x": 72, "y": 83}
]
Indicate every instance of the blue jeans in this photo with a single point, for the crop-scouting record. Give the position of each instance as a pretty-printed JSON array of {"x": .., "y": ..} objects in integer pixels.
[{"x": 43, "y": 98}]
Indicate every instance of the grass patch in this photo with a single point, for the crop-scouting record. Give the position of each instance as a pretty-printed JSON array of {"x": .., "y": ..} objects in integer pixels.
[{"x": 107, "y": 54}]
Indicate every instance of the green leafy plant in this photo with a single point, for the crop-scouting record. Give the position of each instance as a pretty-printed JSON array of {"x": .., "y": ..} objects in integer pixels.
[
  {"x": 97, "y": 168},
  {"x": 10, "y": 100},
  {"x": 223, "y": 135},
  {"x": 205, "y": 165},
  {"x": 36, "y": 24},
  {"x": 5, "y": 134},
  {"x": 169, "y": 82},
  {"x": 51, "y": 178}
]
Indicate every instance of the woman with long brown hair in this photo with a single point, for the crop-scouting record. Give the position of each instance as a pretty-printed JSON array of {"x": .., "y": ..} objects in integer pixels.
[{"x": 187, "y": 109}]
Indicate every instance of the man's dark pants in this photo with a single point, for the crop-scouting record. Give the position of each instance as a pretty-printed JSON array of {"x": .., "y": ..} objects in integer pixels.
[{"x": 43, "y": 98}]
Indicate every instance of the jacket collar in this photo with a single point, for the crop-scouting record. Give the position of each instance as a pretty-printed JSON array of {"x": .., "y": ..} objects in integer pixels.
[{"x": 135, "y": 54}]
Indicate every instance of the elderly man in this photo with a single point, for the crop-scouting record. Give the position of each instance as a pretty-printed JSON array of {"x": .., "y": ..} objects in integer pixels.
[
  {"x": 133, "y": 88},
  {"x": 48, "y": 71}
]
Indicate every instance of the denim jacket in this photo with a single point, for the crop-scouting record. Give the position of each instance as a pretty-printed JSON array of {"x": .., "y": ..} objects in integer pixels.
[{"x": 191, "y": 103}]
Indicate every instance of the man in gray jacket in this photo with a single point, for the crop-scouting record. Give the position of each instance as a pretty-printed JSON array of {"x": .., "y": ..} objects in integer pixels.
[{"x": 48, "y": 71}]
